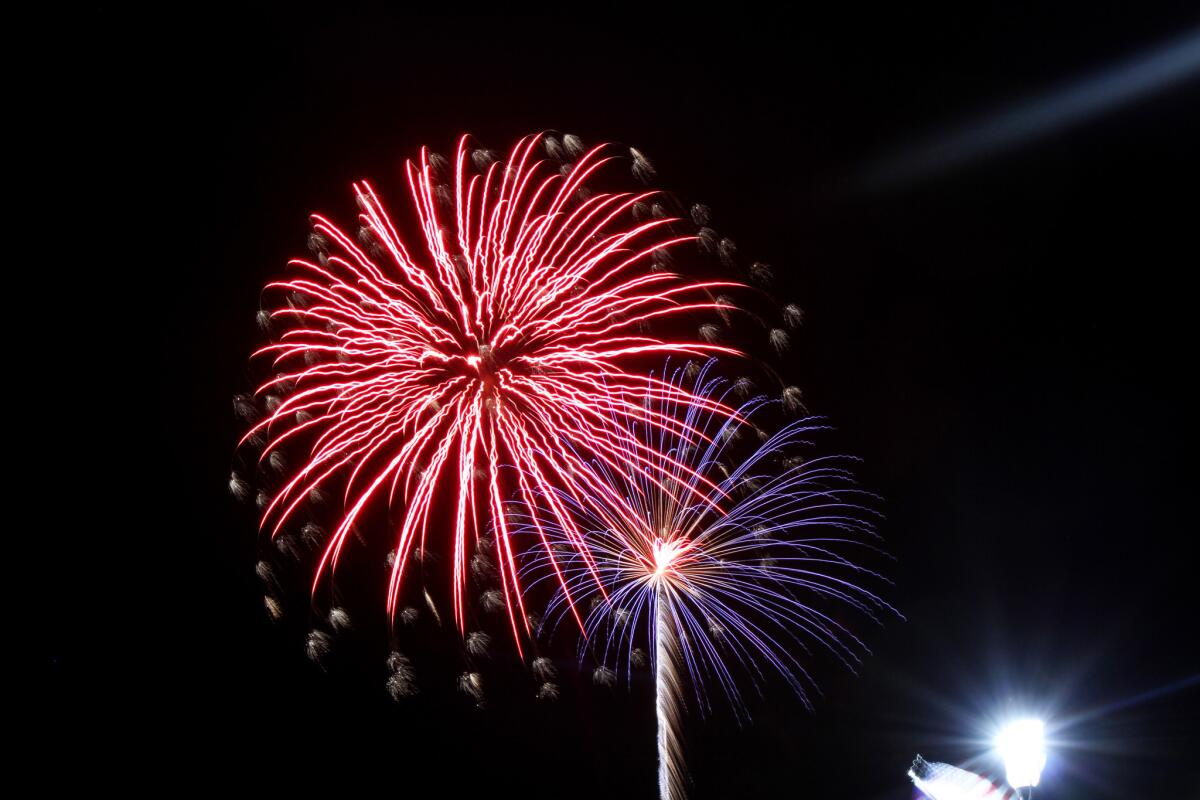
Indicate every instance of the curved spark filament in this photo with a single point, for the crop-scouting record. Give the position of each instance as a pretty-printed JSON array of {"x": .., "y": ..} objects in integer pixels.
[
  {"x": 743, "y": 560},
  {"x": 414, "y": 375}
]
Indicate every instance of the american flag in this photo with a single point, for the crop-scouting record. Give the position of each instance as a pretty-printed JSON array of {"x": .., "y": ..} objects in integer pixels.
[{"x": 945, "y": 782}]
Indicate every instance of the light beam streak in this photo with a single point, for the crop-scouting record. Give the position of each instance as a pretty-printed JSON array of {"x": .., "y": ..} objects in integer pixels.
[{"x": 1154, "y": 71}]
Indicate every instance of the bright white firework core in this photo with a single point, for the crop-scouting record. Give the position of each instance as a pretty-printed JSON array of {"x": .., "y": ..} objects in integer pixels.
[
  {"x": 665, "y": 554},
  {"x": 1022, "y": 746}
]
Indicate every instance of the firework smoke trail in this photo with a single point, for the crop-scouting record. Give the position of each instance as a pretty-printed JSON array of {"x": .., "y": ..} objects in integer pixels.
[
  {"x": 503, "y": 340},
  {"x": 668, "y": 701},
  {"x": 723, "y": 567}
]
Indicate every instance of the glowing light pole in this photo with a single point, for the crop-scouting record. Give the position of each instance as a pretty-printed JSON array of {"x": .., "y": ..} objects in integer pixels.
[{"x": 1022, "y": 746}]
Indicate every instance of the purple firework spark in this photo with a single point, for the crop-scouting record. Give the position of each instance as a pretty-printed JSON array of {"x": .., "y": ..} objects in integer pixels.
[{"x": 724, "y": 567}]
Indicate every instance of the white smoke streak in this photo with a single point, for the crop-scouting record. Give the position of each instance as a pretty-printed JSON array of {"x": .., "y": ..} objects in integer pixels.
[{"x": 668, "y": 701}]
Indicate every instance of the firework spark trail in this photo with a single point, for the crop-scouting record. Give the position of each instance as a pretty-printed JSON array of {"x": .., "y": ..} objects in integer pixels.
[
  {"x": 719, "y": 574},
  {"x": 505, "y": 342}
]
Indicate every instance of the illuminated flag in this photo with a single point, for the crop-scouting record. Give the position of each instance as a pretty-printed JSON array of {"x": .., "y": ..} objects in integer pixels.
[{"x": 945, "y": 782}]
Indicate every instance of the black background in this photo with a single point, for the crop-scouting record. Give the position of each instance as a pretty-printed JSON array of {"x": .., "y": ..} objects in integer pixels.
[{"x": 1008, "y": 345}]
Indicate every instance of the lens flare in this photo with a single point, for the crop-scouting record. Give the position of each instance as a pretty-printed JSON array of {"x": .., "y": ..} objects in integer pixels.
[{"x": 1022, "y": 746}]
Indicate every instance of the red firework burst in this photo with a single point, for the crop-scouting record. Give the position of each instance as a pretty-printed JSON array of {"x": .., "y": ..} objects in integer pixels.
[{"x": 414, "y": 377}]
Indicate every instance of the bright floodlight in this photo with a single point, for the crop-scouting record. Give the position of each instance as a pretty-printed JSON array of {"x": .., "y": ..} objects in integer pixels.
[{"x": 1023, "y": 749}]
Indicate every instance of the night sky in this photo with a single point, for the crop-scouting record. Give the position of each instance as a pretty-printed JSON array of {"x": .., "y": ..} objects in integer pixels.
[{"x": 1007, "y": 342}]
